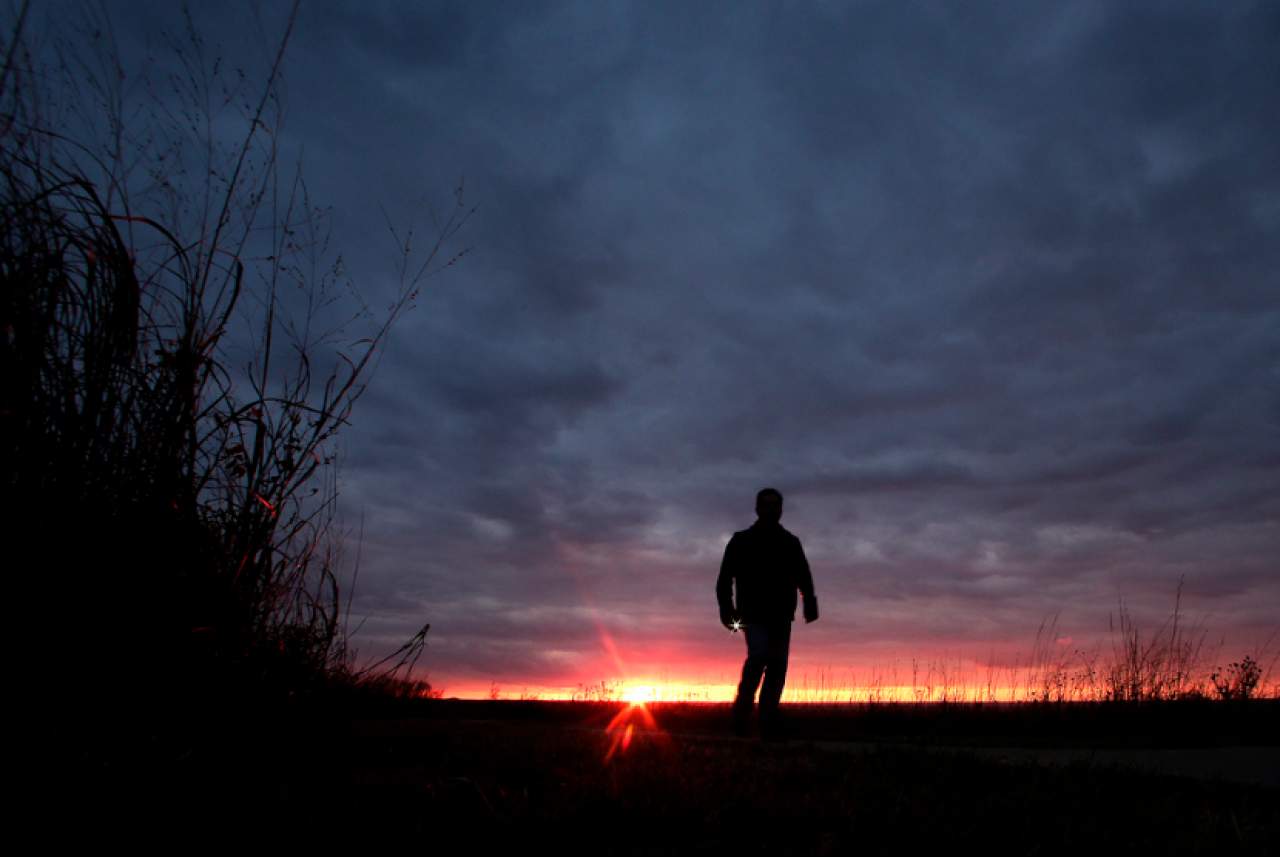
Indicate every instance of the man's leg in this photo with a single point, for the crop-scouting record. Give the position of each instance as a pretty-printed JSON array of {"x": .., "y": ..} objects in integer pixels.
[
  {"x": 776, "y": 653},
  {"x": 752, "y": 670}
]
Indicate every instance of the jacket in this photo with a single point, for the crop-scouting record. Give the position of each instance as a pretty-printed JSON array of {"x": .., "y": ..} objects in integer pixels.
[{"x": 767, "y": 565}]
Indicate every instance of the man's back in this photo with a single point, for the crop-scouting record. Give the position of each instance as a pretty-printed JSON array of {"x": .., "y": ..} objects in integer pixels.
[{"x": 768, "y": 566}]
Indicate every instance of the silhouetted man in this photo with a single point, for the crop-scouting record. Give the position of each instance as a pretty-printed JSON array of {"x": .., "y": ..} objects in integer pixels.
[{"x": 767, "y": 566}]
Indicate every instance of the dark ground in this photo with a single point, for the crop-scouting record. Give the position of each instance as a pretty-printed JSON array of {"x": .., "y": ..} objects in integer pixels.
[{"x": 1024, "y": 779}]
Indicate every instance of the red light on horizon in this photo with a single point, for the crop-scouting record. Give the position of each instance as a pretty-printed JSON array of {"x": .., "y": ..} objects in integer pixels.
[{"x": 622, "y": 727}]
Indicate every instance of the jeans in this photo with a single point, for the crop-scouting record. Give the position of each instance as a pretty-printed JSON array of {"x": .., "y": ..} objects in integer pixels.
[{"x": 767, "y": 648}]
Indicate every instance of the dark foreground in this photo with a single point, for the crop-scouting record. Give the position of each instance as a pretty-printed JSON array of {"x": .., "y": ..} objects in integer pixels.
[{"x": 488, "y": 777}]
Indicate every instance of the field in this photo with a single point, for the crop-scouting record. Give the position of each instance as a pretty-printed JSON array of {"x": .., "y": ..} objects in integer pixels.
[{"x": 1026, "y": 779}]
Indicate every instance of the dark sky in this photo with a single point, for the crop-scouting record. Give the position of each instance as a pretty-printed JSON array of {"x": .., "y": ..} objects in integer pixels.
[{"x": 988, "y": 291}]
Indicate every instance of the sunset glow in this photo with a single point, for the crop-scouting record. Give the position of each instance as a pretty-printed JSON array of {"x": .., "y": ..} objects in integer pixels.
[
  {"x": 722, "y": 693},
  {"x": 640, "y": 693},
  {"x": 1022, "y": 685}
]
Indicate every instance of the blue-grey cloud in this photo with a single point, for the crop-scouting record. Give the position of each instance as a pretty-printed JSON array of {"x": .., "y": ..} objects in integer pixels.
[{"x": 988, "y": 291}]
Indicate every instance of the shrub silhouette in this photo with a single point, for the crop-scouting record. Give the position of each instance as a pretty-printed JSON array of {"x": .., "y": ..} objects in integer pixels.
[
  {"x": 174, "y": 518},
  {"x": 1239, "y": 680}
]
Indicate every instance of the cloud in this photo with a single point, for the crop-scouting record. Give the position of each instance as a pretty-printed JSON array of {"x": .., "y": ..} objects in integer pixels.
[{"x": 988, "y": 292}]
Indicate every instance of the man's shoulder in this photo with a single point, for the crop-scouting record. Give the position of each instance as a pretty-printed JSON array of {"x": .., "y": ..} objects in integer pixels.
[
  {"x": 738, "y": 539},
  {"x": 775, "y": 531}
]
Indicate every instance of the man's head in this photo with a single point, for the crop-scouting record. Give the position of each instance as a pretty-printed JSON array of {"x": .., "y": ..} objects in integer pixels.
[{"x": 769, "y": 505}]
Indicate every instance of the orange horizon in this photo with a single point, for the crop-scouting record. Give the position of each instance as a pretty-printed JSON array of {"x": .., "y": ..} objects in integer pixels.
[
  {"x": 673, "y": 692},
  {"x": 1059, "y": 666},
  {"x": 1028, "y": 687}
]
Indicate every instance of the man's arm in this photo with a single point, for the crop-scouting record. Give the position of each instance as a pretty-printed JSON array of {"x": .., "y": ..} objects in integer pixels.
[
  {"x": 805, "y": 583},
  {"x": 724, "y": 587}
]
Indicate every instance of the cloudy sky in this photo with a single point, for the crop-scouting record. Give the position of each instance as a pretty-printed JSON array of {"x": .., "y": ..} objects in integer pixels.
[{"x": 990, "y": 292}]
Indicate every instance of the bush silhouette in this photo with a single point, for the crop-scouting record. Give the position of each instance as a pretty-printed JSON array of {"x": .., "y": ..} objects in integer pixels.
[
  {"x": 173, "y": 518},
  {"x": 1239, "y": 680}
]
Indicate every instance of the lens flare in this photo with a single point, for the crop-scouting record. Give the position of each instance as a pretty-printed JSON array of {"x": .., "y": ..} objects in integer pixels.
[{"x": 623, "y": 726}]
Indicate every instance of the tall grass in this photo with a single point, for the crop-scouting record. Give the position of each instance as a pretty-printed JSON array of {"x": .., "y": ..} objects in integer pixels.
[
  {"x": 1135, "y": 664},
  {"x": 1158, "y": 667},
  {"x": 171, "y": 509}
]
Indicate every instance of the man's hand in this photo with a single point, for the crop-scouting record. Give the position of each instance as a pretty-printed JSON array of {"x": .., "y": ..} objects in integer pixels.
[
  {"x": 811, "y": 608},
  {"x": 729, "y": 618}
]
